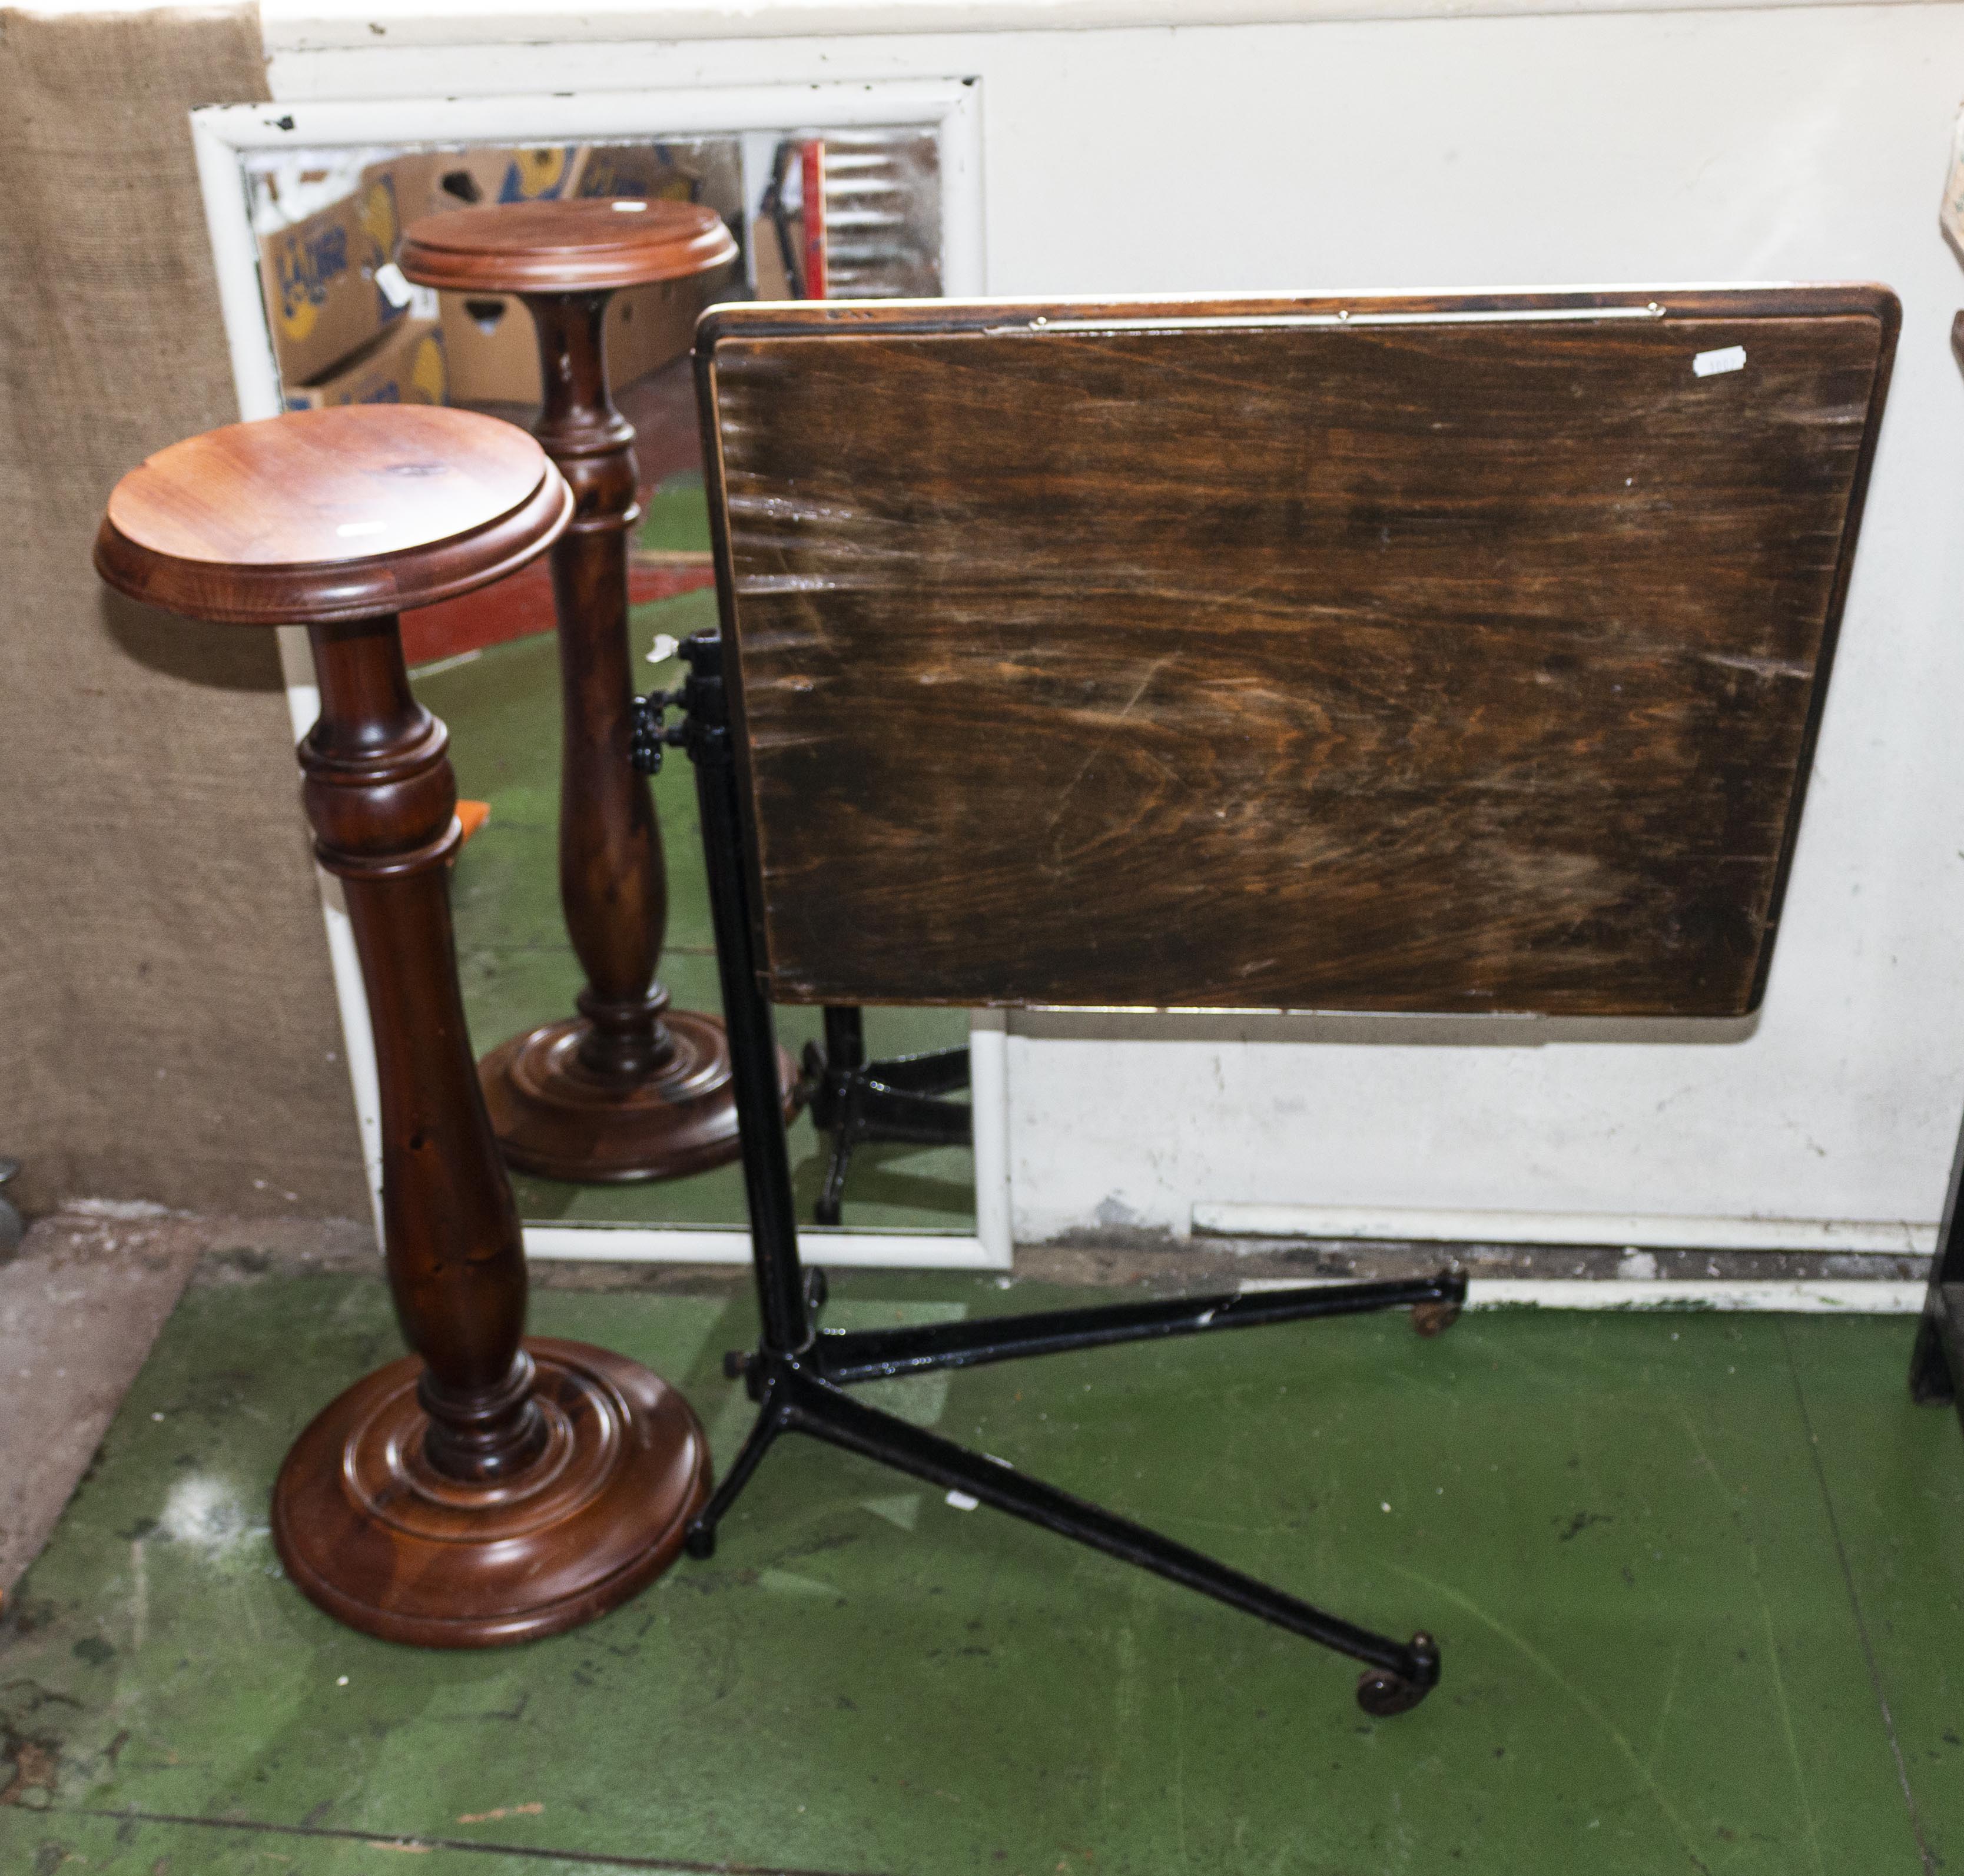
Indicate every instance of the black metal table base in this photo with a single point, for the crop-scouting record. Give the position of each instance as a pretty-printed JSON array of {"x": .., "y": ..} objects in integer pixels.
[
  {"x": 799, "y": 1374},
  {"x": 805, "y": 1393},
  {"x": 858, "y": 1102}
]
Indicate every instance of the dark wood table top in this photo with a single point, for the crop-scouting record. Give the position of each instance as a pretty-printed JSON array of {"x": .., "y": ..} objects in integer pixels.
[
  {"x": 319, "y": 515},
  {"x": 1400, "y": 654},
  {"x": 566, "y": 247}
]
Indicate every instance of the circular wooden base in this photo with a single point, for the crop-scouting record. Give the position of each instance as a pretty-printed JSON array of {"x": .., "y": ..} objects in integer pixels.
[
  {"x": 555, "y": 1117},
  {"x": 380, "y": 1541}
]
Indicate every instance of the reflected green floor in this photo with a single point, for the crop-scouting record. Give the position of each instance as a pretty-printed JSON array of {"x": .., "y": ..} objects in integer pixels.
[
  {"x": 518, "y": 969},
  {"x": 1670, "y": 1619}
]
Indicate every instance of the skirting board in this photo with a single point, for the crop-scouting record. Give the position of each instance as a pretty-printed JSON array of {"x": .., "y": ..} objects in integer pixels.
[
  {"x": 1890, "y": 1237},
  {"x": 1854, "y": 1297},
  {"x": 638, "y": 1244}
]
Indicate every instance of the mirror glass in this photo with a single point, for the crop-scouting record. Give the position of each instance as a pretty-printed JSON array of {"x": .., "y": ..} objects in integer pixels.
[{"x": 854, "y": 213}]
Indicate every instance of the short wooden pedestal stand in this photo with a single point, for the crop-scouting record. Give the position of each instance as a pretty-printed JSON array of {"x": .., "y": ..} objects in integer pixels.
[
  {"x": 484, "y": 1489},
  {"x": 628, "y": 1089}
]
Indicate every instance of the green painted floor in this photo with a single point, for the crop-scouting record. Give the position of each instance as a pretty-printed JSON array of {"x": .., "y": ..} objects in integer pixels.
[
  {"x": 518, "y": 970},
  {"x": 1699, "y": 1580}
]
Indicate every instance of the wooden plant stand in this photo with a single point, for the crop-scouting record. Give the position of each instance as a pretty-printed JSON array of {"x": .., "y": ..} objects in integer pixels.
[
  {"x": 628, "y": 1089},
  {"x": 486, "y": 1488}
]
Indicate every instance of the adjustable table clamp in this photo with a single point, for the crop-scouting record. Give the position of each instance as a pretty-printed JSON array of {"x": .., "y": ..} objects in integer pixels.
[{"x": 1411, "y": 654}]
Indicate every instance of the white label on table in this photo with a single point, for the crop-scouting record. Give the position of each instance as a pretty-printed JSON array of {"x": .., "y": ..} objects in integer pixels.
[{"x": 1708, "y": 364}]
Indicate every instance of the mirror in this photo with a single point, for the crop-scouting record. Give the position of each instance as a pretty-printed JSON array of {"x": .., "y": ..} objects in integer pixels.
[{"x": 854, "y": 211}]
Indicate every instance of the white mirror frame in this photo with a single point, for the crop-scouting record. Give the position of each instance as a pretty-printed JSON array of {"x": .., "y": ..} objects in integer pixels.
[{"x": 222, "y": 133}]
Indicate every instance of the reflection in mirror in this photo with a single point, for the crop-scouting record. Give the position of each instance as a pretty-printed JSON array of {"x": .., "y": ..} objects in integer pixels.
[{"x": 833, "y": 214}]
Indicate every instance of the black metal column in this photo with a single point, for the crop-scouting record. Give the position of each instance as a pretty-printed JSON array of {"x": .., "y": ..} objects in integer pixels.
[
  {"x": 753, "y": 1041},
  {"x": 1936, "y": 1362}
]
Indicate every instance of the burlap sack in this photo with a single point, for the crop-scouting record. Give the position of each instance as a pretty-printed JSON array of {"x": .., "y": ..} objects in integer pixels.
[{"x": 168, "y": 1028}]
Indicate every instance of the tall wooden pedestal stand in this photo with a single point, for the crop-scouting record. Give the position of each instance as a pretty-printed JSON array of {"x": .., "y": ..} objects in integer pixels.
[
  {"x": 486, "y": 1489},
  {"x": 628, "y": 1089}
]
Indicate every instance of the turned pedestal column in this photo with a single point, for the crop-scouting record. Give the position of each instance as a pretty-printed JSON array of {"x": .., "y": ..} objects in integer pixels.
[
  {"x": 628, "y": 1089},
  {"x": 486, "y": 1489}
]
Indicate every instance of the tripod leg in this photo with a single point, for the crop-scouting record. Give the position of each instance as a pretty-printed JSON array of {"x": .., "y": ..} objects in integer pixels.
[
  {"x": 836, "y": 1075},
  {"x": 829, "y": 1207},
  {"x": 1397, "y": 1677},
  {"x": 852, "y": 1100},
  {"x": 849, "y": 1355},
  {"x": 939, "y": 1072},
  {"x": 1931, "y": 1382},
  {"x": 773, "y": 1417}
]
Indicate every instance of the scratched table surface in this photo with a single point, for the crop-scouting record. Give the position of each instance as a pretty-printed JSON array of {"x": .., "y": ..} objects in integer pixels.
[
  {"x": 1392, "y": 654},
  {"x": 1699, "y": 1579}
]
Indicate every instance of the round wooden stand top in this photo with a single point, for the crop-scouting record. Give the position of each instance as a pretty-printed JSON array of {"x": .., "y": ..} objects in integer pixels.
[
  {"x": 323, "y": 515},
  {"x": 581, "y": 246}
]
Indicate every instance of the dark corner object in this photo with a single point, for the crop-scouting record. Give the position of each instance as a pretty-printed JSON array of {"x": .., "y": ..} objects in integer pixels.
[
  {"x": 1403, "y": 653},
  {"x": 1936, "y": 1364},
  {"x": 798, "y": 1373}
]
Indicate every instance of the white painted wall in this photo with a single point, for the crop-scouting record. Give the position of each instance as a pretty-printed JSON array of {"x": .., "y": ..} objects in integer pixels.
[{"x": 1797, "y": 143}]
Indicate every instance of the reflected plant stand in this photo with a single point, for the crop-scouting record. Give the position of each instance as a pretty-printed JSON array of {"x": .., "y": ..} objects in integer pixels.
[{"x": 628, "y": 1087}]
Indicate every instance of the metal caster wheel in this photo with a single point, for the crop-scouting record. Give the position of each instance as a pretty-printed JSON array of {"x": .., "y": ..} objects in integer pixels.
[
  {"x": 1434, "y": 1318},
  {"x": 1384, "y": 1695}
]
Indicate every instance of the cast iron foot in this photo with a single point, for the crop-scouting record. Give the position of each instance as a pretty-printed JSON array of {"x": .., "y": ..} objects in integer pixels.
[
  {"x": 1384, "y": 1695},
  {"x": 1436, "y": 1317},
  {"x": 1930, "y": 1381}
]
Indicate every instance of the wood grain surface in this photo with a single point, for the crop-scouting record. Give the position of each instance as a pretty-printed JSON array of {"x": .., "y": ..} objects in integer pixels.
[
  {"x": 483, "y": 1492},
  {"x": 579, "y": 246},
  {"x": 324, "y": 515},
  {"x": 1317, "y": 654},
  {"x": 480, "y": 1492}
]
